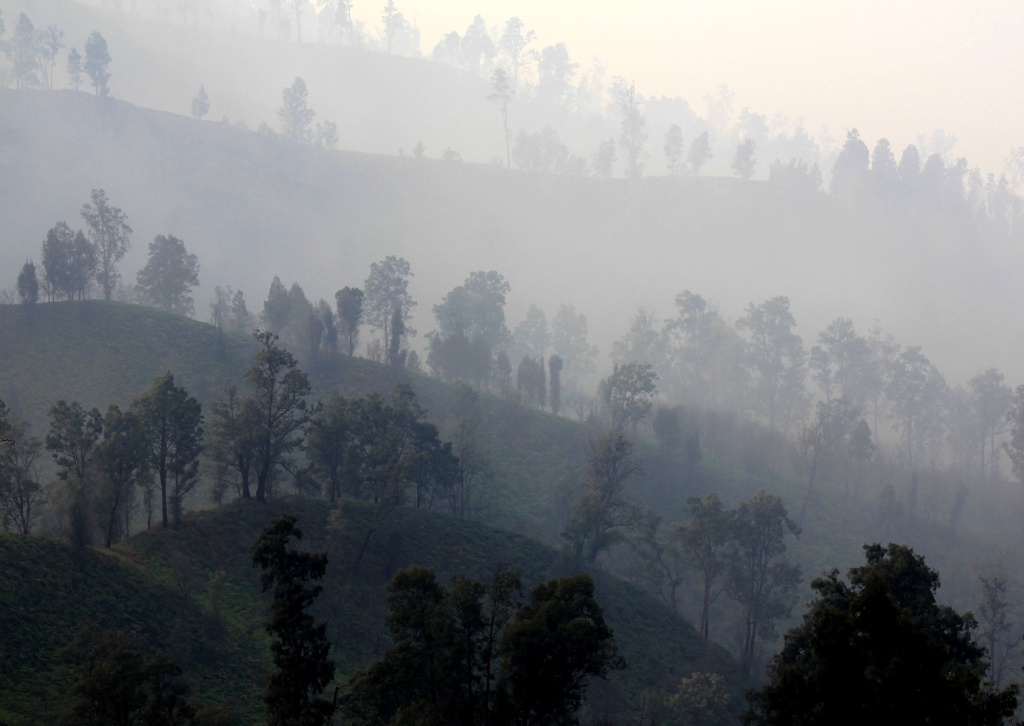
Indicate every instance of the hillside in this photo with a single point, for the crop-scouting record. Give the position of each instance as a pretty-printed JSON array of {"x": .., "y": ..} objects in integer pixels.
[
  {"x": 100, "y": 353},
  {"x": 159, "y": 586},
  {"x": 252, "y": 206}
]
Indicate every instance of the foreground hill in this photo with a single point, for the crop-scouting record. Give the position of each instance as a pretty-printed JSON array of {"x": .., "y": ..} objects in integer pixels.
[
  {"x": 252, "y": 206},
  {"x": 194, "y": 594}
]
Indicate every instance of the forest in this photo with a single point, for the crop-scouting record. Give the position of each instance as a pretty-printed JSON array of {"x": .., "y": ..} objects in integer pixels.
[{"x": 446, "y": 459}]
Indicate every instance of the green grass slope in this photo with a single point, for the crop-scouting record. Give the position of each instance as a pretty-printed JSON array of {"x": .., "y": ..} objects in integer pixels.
[{"x": 163, "y": 587}]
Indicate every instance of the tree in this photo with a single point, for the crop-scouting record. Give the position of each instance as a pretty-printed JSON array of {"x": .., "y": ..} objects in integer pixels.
[
  {"x": 628, "y": 394},
  {"x": 850, "y": 171},
  {"x": 24, "y": 52},
  {"x": 97, "y": 59},
  {"x": 552, "y": 647},
  {"x": 75, "y": 68},
  {"x": 743, "y": 162},
  {"x": 880, "y": 643},
  {"x": 122, "y": 459},
  {"x": 28, "y": 284},
  {"x": 471, "y": 328},
  {"x": 569, "y": 340},
  {"x": 603, "y": 159},
  {"x": 111, "y": 683},
  {"x": 776, "y": 356},
  {"x": 69, "y": 262},
  {"x": 674, "y": 150},
  {"x": 991, "y": 399},
  {"x": 502, "y": 93},
  {"x": 385, "y": 290},
  {"x": 295, "y": 115},
  {"x": 169, "y": 276},
  {"x": 71, "y": 441},
  {"x": 277, "y": 308},
  {"x": 300, "y": 646},
  {"x": 349, "y": 301},
  {"x": 700, "y": 153},
  {"x": 555, "y": 383},
  {"x": 108, "y": 232},
  {"x": 443, "y": 665},
  {"x": 1014, "y": 447},
  {"x": 760, "y": 577},
  {"x": 201, "y": 103},
  {"x": 554, "y": 75},
  {"x": 704, "y": 536},
  {"x": 602, "y": 516},
  {"x": 280, "y": 414},
  {"x": 633, "y": 137},
  {"x": 914, "y": 389},
  {"x": 232, "y": 446},
  {"x": 21, "y": 494},
  {"x": 172, "y": 421},
  {"x": 513, "y": 43},
  {"x": 49, "y": 43}
]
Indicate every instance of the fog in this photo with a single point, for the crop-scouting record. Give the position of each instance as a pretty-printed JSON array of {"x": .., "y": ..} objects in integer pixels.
[{"x": 253, "y": 206}]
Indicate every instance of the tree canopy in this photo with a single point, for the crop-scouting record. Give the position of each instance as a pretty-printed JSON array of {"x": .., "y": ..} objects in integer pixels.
[{"x": 879, "y": 643}]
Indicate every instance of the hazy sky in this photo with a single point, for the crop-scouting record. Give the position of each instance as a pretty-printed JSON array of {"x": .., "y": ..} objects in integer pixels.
[{"x": 889, "y": 68}]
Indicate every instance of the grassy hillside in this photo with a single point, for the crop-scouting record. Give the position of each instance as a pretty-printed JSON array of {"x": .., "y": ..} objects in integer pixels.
[{"x": 158, "y": 586}]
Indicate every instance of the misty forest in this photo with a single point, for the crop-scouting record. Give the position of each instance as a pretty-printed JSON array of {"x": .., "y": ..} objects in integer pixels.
[{"x": 350, "y": 378}]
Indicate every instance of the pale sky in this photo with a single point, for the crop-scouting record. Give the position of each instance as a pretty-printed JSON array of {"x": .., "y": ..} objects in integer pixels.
[{"x": 889, "y": 68}]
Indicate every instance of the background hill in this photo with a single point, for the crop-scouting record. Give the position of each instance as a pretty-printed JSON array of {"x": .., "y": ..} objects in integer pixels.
[{"x": 253, "y": 206}]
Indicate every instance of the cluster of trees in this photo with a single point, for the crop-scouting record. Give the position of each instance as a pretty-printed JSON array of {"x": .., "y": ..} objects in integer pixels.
[
  {"x": 104, "y": 461},
  {"x": 930, "y": 185},
  {"x": 470, "y": 653},
  {"x": 74, "y": 260},
  {"x": 864, "y": 384},
  {"x": 32, "y": 56},
  {"x": 475, "y": 653},
  {"x": 880, "y": 643}
]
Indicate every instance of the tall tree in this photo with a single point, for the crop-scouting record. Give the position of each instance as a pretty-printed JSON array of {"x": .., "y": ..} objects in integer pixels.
[
  {"x": 108, "y": 232},
  {"x": 604, "y": 514},
  {"x": 502, "y": 93},
  {"x": 633, "y": 135},
  {"x": 915, "y": 390},
  {"x": 704, "y": 536},
  {"x": 777, "y": 360},
  {"x": 280, "y": 413},
  {"x": 385, "y": 290},
  {"x": 700, "y": 153},
  {"x": 169, "y": 276},
  {"x": 75, "y": 68},
  {"x": 201, "y": 103},
  {"x": 991, "y": 399},
  {"x": 674, "y": 150},
  {"x": 72, "y": 439},
  {"x": 122, "y": 458},
  {"x": 173, "y": 424},
  {"x": 28, "y": 284},
  {"x": 232, "y": 444},
  {"x": 349, "y": 302},
  {"x": 300, "y": 647},
  {"x": 295, "y": 114},
  {"x": 22, "y": 495},
  {"x": 569, "y": 340},
  {"x": 513, "y": 43},
  {"x": 761, "y": 579},
  {"x": 471, "y": 328},
  {"x": 97, "y": 59},
  {"x": 743, "y": 162}
]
